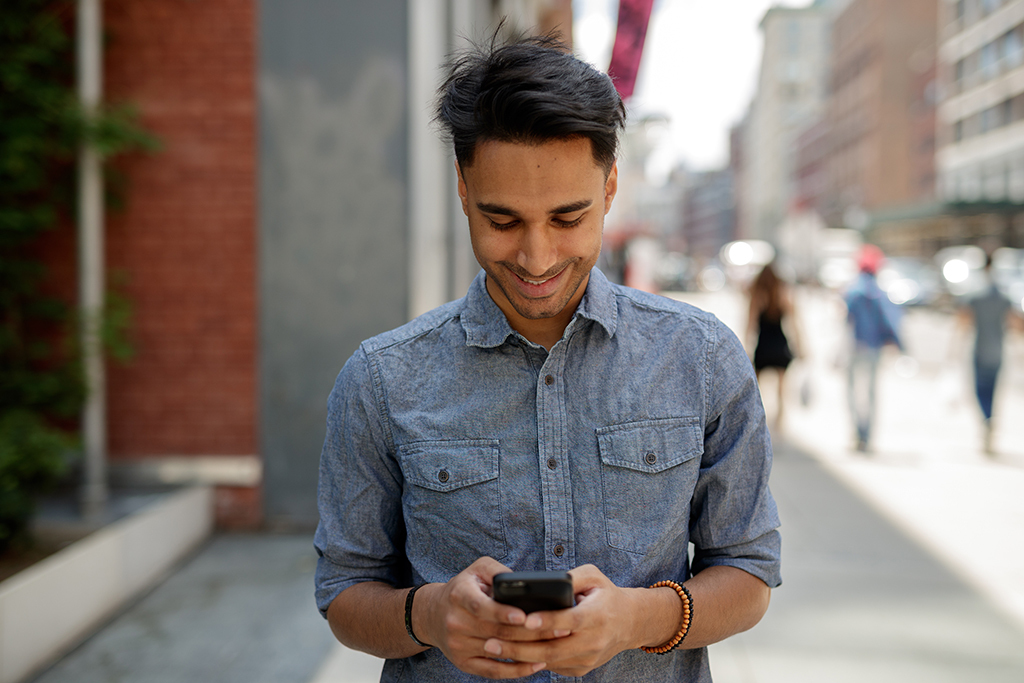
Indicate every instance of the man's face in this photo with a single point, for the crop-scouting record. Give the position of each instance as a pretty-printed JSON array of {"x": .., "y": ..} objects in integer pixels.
[{"x": 536, "y": 213}]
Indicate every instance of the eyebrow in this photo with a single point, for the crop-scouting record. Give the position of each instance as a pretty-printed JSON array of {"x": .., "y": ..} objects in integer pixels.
[{"x": 505, "y": 211}]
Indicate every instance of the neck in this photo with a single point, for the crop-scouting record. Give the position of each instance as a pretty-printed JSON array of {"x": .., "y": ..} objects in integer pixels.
[{"x": 543, "y": 331}]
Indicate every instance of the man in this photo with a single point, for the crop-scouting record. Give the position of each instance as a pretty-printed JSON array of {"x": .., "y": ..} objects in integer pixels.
[
  {"x": 990, "y": 311},
  {"x": 873, "y": 321},
  {"x": 549, "y": 420}
]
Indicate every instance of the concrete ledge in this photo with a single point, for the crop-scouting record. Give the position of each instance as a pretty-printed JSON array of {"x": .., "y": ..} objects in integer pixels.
[{"x": 50, "y": 607}]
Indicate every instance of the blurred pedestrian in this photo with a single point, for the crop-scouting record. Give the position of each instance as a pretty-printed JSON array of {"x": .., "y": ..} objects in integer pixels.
[
  {"x": 989, "y": 311},
  {"x": 771, "y": 310},
  {"x": 873, "y": 321}
]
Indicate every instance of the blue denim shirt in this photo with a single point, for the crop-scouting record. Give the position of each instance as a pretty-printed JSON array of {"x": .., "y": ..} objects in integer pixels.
[{"x": 453, "y": 437}]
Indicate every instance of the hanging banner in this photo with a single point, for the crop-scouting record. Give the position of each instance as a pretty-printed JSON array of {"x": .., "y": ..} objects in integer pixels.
[{"x": 634, "y": 16}]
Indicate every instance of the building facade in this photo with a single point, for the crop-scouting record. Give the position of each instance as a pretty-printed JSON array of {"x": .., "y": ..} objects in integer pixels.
[
  {"x": 791, "y": 92},
  {"x": 300, "y": 203},
  {"x": 981, "y": 158},
  {"x": 709, "y": 214},
  {"x": 880, "y": 110}
]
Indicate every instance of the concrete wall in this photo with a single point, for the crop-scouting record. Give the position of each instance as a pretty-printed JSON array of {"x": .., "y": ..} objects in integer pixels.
[
  {"x": 49, "y": 608},
  {"x": 333, "y": 187}
]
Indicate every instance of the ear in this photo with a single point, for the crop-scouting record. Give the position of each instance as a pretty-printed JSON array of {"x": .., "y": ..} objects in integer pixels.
[
  {"x": 611, "y": 186},
  {"x": 463, "y": 191}
]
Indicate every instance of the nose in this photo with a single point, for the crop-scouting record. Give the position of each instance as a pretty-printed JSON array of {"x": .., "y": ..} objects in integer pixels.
[{"x": 538, "y": 251}]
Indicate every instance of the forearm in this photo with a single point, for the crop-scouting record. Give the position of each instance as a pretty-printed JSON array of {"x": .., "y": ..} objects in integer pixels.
[
  {"x": 370, "y": 617},
  {"x": 726, "y": 601}
]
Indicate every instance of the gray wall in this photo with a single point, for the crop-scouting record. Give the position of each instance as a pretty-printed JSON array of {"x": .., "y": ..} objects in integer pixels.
[{"x": 333, "y": 236}]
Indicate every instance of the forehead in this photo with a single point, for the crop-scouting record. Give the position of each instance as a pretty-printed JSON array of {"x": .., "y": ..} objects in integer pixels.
[{"x": 551, "y": 168}]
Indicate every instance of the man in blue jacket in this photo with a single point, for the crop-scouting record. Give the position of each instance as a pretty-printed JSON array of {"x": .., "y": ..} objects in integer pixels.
[{"x": 874, "y": 321}]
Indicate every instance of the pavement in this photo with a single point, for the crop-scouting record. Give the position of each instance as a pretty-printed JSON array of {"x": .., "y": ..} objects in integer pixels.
[{"x": 904, "y": 564}]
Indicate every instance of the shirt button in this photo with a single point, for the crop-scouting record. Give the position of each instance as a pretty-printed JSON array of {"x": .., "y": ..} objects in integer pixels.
[
  {"x": 552, "y": 464},
  {"x": 651, "y": 458},
  {"x": 549, "y": 380},
  {"x": 559, "y": 550},
  {"x": 442, "y": 476}
]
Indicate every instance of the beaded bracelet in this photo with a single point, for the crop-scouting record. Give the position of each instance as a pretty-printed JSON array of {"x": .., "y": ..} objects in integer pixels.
[
  {"x": 688, "y": 612},
  {"x": 408, "y": 616}
]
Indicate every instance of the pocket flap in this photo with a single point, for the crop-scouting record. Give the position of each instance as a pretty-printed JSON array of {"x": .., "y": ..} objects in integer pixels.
[
  {"x": 449, "y": 465},
  {"x": 651, "y": 445}
]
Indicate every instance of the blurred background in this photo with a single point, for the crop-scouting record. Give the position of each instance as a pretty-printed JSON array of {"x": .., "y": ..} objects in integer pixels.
[{"x": 208, "y": 205}]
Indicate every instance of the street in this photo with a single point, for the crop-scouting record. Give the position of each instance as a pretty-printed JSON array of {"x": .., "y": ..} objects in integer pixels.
[{"x": 904, "y": 564}]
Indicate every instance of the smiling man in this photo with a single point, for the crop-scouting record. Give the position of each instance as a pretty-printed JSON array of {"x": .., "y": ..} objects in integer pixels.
[{"x": 548, "y": 420}]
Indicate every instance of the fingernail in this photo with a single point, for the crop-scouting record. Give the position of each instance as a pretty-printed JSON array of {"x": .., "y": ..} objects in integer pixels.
[
  {"x": 516, "y": 618},
  {"x": 560, "y": 633},
  {"x": 492, "y": 647},
  {"x": 538, "y": 666},
  {"x": 533, "y": 621}
]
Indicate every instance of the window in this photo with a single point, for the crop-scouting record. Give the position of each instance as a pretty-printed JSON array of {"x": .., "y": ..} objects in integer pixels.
[
  {"x": 1013, "y": 49},
  {"x": 990, "y": 60},
  {"x": 990, "y": 6},
  {"x": 793, "y": 38},
  {"x": 958, "y": 131},
  {"x": 995, "y": 117}
]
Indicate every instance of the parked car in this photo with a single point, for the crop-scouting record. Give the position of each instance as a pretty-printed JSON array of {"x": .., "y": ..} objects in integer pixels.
[{"x": 910, "y": 281}]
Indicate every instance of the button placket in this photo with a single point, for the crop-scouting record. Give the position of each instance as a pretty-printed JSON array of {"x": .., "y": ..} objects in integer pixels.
[{"x": 552, "y": 449}]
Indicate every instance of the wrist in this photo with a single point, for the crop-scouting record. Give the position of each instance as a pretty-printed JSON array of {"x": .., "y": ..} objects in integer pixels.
[
  {"x": 420, "y": 616},
  {"x": 657, "y": 616}
]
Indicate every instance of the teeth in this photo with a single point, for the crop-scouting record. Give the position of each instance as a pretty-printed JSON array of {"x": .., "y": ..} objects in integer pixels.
[{"x": 536, "y": 282}]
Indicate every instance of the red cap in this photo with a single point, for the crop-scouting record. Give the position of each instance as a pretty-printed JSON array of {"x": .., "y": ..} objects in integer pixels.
[{"x": 870, "y": 259}]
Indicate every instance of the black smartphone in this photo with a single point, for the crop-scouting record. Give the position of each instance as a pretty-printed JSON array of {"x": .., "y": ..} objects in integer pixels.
[{"x": 534, "y": 591}]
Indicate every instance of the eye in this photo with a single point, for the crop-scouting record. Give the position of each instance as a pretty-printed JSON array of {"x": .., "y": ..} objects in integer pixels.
[
  {"x": 503, "y": 226},
  {"x": 569, "y": 224}
]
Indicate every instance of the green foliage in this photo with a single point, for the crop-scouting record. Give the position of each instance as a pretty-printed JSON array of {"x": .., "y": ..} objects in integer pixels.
[
  {"x": 32, "y": 457},
  {"x": 42, "y": 128}
]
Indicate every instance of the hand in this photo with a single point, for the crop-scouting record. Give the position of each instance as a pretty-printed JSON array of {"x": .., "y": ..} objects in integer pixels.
[
  {"x": 605, "y": 621},
  {"x": 460, "y": 616}
]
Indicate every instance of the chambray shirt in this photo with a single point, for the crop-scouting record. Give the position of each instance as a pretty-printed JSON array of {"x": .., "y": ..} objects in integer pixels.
[{"x": 453, "y": 437}]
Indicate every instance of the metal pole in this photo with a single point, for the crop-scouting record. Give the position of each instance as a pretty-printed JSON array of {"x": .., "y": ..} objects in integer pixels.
[{"x": 90, "y": 264}]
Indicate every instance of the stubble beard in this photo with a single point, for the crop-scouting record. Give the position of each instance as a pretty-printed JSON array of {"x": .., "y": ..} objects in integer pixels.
[{"x": 549, "y": 307}]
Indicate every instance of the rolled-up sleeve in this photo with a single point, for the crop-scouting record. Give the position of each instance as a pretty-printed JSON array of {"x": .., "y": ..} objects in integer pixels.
[
  {"x": 361, "y": 533},
  {"x": 734, "y": 520}
]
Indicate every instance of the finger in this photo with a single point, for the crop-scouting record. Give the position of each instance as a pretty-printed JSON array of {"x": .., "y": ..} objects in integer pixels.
[
  {"x": 486, "y": 610},
  {"x": 485, "y": 568},
  {"x": 523, "y": 634},
  {"x": 535, "y": 651},
  {"x": 549, "y": 624},
  {"x": 491, "y": 668}
]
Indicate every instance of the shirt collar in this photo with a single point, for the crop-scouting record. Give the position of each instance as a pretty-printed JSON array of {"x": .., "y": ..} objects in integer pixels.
[{"x": 486, "y": 326}]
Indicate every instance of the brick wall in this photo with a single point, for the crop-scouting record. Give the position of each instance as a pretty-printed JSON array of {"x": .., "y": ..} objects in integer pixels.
[{"x": 185, "y": 240}]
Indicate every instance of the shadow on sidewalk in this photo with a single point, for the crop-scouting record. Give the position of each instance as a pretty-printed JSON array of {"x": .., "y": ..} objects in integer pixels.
[{"x": 862, "y": 601}]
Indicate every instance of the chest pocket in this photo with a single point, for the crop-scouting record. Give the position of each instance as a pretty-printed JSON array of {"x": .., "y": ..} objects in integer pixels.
[
  {"x": 452, "y": 502},
  {"x": 648, "y": 472}
]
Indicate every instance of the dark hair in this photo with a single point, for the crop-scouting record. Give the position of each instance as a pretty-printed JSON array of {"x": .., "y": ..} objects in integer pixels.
[
  {"x": 529, "y": 90},
  {"x": 766, "y": 291}
]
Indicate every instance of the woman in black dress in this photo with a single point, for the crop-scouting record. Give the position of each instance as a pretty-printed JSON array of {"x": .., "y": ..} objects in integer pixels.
[{"x": 770, "y": 309}]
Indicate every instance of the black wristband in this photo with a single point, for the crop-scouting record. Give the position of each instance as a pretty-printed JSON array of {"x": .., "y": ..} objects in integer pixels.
[{"x": 408, "y": 616}]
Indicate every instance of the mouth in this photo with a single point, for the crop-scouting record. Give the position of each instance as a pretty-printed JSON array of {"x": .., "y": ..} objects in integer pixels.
[{"x": 539, "y": 287}]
